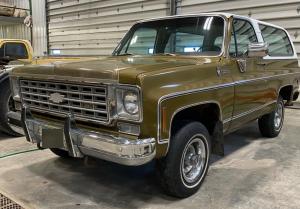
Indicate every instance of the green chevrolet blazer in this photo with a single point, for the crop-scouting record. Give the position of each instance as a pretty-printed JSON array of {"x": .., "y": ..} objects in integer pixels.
[{"x": 173, "y": 87}]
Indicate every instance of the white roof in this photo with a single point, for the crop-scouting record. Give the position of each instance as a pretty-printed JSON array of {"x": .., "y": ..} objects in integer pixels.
[{"x": 223, "y": 14}]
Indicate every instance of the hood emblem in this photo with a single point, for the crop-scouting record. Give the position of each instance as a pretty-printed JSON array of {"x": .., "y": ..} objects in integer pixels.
[{"x": 56, "y": 98}]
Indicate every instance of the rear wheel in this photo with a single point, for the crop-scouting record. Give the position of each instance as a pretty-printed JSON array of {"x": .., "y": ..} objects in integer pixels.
[
  {"x": 270, "y": 125},
  {"x": 184, "y": 168}
]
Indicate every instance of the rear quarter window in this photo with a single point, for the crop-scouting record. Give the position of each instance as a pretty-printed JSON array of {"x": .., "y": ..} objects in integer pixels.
[{"x": 278, "y": 40}]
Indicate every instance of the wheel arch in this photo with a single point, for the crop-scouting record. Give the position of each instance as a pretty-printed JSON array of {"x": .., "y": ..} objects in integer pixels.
[
  {"x": 208, "y": 113},
  {"x": 184, "y": 113},
  {"x": 286, "y": 92}
]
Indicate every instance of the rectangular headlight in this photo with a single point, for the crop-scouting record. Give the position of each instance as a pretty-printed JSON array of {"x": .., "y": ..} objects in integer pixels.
[{"x": 128, "y": 103}]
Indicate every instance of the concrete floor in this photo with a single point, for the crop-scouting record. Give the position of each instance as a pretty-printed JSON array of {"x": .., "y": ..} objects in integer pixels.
[{"x": 255, "y": 173}]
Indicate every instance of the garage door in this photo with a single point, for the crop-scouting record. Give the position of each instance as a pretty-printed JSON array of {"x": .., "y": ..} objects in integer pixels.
[
  {"x": 94, "y": 27},
  {"x": 285, "y": 13},
  {"x": 11, "y": 24}
]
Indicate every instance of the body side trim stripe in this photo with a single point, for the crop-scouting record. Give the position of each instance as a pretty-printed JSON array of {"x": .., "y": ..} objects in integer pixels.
[
  {"x": 187, "y": 92},
  {"x": 248, "y": 112}
]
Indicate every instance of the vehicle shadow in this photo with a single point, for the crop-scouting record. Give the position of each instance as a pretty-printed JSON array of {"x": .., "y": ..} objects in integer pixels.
[
  {"x": 121, "y": 186},
  {"x": 105, "y": 183},
  {"x": 238, "y": 139},
  {"x": 296, "y": 106},
  {"x": 4, "y": 136}
]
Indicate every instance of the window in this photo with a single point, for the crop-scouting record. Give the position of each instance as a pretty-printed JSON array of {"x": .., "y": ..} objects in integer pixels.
[
  {"x": 14, "y": 50},
  {"x": 184, "y": 43},
  {"x": 243, "y": 35},
  {"x": 279, "y": 43},
  {"x": 190, "y": 35},
  {"x": 142, "y": 42}
]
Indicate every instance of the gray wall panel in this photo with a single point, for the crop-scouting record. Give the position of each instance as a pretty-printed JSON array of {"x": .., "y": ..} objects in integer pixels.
[
  {"x": 14, "y": 27},
  {"x": 22, "y": 4},
  {"x": 16, "y": 31},
  {"x": 94, "y": 27},
  {"x": 39, "y": 29}
]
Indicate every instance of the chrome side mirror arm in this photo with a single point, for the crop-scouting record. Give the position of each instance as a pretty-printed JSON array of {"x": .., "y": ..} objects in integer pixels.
[{"x": 258, "y": 49}]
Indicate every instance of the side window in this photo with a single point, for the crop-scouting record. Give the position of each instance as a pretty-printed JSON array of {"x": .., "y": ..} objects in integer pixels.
[
  {"x": 243, "y": 35},
  {"x": 219, "y": 42},
  {"x": 15, "y": 50},
  {"x": 279, "y": 43},
  {"x": 142, "y": 42}
]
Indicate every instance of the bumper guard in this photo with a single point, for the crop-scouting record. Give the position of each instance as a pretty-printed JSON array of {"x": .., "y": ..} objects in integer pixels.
[{"x": 79, "y": 142}]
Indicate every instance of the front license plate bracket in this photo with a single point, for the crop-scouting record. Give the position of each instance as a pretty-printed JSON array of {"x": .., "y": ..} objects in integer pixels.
[{"x": 53, "y": 138}]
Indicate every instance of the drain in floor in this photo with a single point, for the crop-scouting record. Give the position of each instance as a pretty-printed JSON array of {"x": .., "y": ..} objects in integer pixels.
[{"x": 6, "y": 203}]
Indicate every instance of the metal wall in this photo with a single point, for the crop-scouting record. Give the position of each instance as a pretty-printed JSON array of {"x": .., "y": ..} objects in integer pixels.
[
  {"x": 9, "y": 28},
  {"x": 18, "y": 31},
  {"x": 285, "y": 13},
  {"x": 39, "y": 28},
  {"x": 94, "y": 27},
  {"x": 21, "y": 4}
]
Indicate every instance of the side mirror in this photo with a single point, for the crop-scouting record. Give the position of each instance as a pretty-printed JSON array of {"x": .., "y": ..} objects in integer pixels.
[{"x": 257, "y": 49}]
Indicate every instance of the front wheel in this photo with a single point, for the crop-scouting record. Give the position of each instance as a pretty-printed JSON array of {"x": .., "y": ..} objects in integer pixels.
[
  {"x": 7, "y": 105},
  {"x": 270, "y": 125},
  {"x": 184, "y": 168},
  {"x": 60, "y": 152}
]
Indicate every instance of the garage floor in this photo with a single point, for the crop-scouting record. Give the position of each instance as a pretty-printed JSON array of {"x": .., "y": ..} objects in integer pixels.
[{"x": 255, "y": 173}]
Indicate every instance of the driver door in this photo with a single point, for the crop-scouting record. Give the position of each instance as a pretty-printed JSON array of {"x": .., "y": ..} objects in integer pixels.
[{"x": 250, "y": 86}]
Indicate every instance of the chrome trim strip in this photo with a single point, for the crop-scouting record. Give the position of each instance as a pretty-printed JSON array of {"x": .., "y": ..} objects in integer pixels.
[
  {"x": 187, "y": 92},
  {"x": 227, "y": 120},
  {"x": 265, "y": 78},
  {"x": 252, "y": 110},
  {"x": 173, "y": 95},
  {"x": 221, "y": 14},
  {"x": 248, "y": 112}
]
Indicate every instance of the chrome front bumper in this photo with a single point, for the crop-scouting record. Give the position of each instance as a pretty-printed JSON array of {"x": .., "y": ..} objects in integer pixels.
[
  {"x": 14, "y": 120},
  {"x": 80, "y": 142}
]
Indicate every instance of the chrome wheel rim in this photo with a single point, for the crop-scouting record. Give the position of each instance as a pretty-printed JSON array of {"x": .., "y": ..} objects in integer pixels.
[
  {"x": 278, "y": 116},
  {"x": 194, "y": 160}
]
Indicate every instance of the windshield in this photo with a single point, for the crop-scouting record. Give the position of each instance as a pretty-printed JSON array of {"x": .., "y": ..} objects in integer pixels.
[{"x": 190, "y": 35}]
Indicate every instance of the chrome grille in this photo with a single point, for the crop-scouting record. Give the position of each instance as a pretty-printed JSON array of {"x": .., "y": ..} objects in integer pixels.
[{"x": 86, "y": 102}]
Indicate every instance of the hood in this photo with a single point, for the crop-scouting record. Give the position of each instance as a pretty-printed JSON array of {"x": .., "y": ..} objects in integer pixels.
[{"x": 109, "y": 68}]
